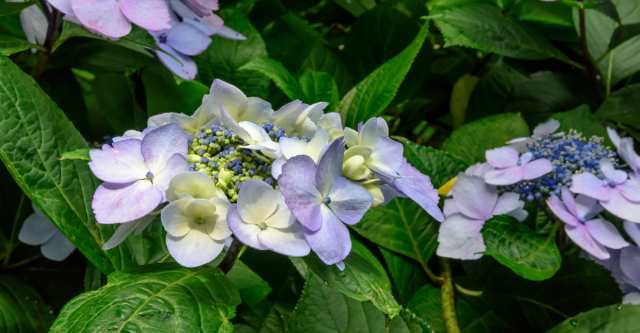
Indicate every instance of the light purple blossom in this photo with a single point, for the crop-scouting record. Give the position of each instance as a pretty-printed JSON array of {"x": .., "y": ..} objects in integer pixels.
[
  {"x": 624, "y": 266},
  {"x": 321, "y": 199},
  {"x": 520, "y": 144},
  {"x": 372, "y": 146},
  {"x": 616, "y": 193},
  {"x": 209, "y": 23},
  {"x": 473, "y": 203},
  {"x": 512, "y": 168},
  {"x": 626, "y": 152},
  {"x": 591, "y": 234},
  {"x": 136, "y": 173},
  {"x": 262, "y": 220},
  {"x": 38, "y": 230}
]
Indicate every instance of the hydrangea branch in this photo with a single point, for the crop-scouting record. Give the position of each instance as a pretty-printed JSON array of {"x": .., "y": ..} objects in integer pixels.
[
  {"x": 591, "y": 69},
  {"x": 448, "y": 305},
  {"x": 233, "y": 253},
  {"x": 468, "y": 292}
]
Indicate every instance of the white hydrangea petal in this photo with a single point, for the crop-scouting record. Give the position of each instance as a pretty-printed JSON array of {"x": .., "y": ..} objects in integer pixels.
[
  {"x": 195, "y": 248},
  {"x": 256, "y": 201},
  {"x": 216, "y": 224},
  {"x": 175, "y": 222},
  {"x": 289, "y": 241},
  {"x": 460, "y": 238},
  {"x": 282, "y": 216}
]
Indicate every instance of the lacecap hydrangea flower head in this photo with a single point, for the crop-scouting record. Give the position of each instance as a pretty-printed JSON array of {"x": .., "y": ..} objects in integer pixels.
[
  {"x": 276, "y": 180},
  {"x": 550, "y": 170}
]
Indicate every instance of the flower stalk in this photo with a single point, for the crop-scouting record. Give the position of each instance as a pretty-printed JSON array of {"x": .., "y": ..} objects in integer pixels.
[
  {"x": 233, "y": 253},
  {"x": 448, "y": 304}
]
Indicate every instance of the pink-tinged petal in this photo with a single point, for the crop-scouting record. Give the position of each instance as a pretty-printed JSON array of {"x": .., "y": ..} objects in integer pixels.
[
  {"x": 628, "y": 154},
  {"x": 187, "y": 70},
  {"x": 460, "y": 238},
  {"x": 519, "y": 144},
  {"x": 606, "y": 166},
  {"x": 102, "y": 15},
  {"x": 149, "y": 14},
  {"x": 586, "y": 207},
  {"x": 580, "y": 235},
  {"x": 633, "y": 230},
  {"x": 503, "y": 157},
  {"x": 561, "y": 211},
  {"x": 289, "y": 241},
  {"x": 301, "y": 195},
  {"x": 622, "y": 208},
  {"x": 276, "y": 167},
  {"x": 537, "y": 168},
  {"x": 570, "y": 202},
  {"x": 257, "y": 202},
  {"x": 450, "y": 207},
  {"x": 546, "y": 128},
  {"x": 630, "y": 189},
  {"x": 589, "y": 185},
  {"x": 389, "y": 193},
  {"x": 161, "y": 144},
  {"x": 118, "y": 203},
  {"x": 121, "y": 164},
  {"x": 630, "y": 262},
  {"x": 36, "y": 230},
  {"x": 506, "y": 176},
  {"x": 507, "y": 203},
  {"x": 211, "y": 4},
  {"x": 187, "y": 39},
  {"x": 331, "y": 242},
  {"x": 57, "y": 248},
  {"x": 247, "y": 233},
  {"x": 605, "y": 233},
  {"x": 176, "y": 165},
  {"x": 474, "y": 197},
  {"x": 62, "y": 5},
  {"x": 349, "y": 200},
  {"x": 330, "y": 166},
  {"x": 195, "y": 248},
  {"x": 413, "y": 184},
  {"x": 387, "y": 153}
]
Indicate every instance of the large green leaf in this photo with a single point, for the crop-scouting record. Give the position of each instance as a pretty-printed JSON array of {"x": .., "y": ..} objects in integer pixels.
[
  {"x": 319, "y": 87},
  {"x": 613, "y": 318},
  {"x": 373, "y": 94},
  {"x": 622, "y": 106},
  {"x": 326, "y": 310},
  {"x": 473, "y": 315},
  {"x": 363, "y": 278},
  {"x": 115, "y": 100},
  {"x": 8, "y": 8},
  {"x": 154, "y": 298},
  {"x": 482, "y": 26},
  {"x": 579, "y": 286},
  {"x": 224, "y": 57},
  {"x": 21, "y": 308},
  {"x": 280, "y": 76},
  {"x": 582, "y": 120},
  {"x": 439, "y": 165},
  {"x": 401, "y": 226},
  {"x": 34, "y": 133},
  {"x": 470, "y": 141},
  {"x": 162, "y": 92},
  {"x": 514, "y": 245},
  {"x": 407, "y": 274},
  {"x": 324, "y": 59}
]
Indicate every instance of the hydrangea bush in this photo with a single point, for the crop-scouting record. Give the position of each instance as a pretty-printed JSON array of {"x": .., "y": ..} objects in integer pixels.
[{"x": 319, "y": 166}]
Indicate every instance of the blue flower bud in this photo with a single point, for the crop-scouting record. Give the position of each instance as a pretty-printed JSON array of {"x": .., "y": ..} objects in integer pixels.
[
  {"x": 239, "y": 186},
  {"x": 201, "y": 152},
  {"x": 204, "y": 160},
  {"x": 268, "y": 126},
  {"x": 237, "y": 169},
  {"x": 247, "y": 152},
  {"x": 215, "y": 176},
  {"x": 213, "y": 164},
  {"x": 190, "y": 140},
  {"x": 269, "y": 181},
  {"x": 264, "y": 169},
  {"x": 272, "y": 133},
  {"x": 258, "y": 161},
  {"x": 252, "y": 172},
  {"x": 306, "y": 138},
  {"x": 192, "y": 166},
  {"x": 228, "y": 134}
]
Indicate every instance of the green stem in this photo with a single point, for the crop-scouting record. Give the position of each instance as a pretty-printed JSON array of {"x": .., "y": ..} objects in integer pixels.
[
  {"x": 387, "y": 323},
  {"x": 591, "y": 69},
  {"x": 448, "y": 305},
  {"x": 23, "y": 262},
  {"x": 260, "y": 157},
  {"x": 609, "y": 72},
  {"x": 462, "y": 290},
  {"x": 436, "y": 279},
  {"x": 14, "y": 229}
]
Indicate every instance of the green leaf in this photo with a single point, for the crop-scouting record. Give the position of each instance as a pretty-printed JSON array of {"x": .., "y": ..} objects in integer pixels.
[
  {"x": 116, "y": 101},
  {"x": 290, "y": 40},
  {"x": 224, "y": 57},
  {"x": 251, "y": 287},
  {"x": 280, "y": 76},
  {"x": 407, "y": 274},
  {"x": 162, "y": 92},
  {"x": 325, "y": 310},
  {"x": 21, "y": 308},
  {"x": 622, "y": 106},
  {"x": 401, "y": 226},
  {"x": 579, "y": 286},
  {"x": 33, "y": 135},
  {"x": 155, "y": 298},
  {"x": 373, "y": 94},
  {"x": 356, "y": 7},
  {"x": 363, "y": 278},
  {"x": 491, "y": 95},
  {"x": 517, "y": 247},
  {"x": 582, "y": 120},
  {"x": 470, "y": 141},
  {"x": 473, "y": 315},
  {"x": 439, "y": 165},
  {"x": 483, "y": 27},
  {"x": 323, "y": 59},
  {"x": 319, "y": 87},
  {"x": 613, "y": 318},
  {"x": 10, "y": 45},
  {"x": 9, "y": 8},
  {"x": 192, "y": 93},
  {"x": 78, "y": 154},
  {"x": 623, "y": 33}
]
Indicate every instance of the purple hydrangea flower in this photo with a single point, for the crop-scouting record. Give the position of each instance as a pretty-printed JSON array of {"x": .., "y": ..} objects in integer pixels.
[
  {"x": 512, "y": 168},
  {"x": 549, "y": 127},
  {"x": 592, "y": 235},
  {"x": 321, "y": 199},
  {"x": 616, "y": 193},
  {"x": 136, "y": 173}
]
